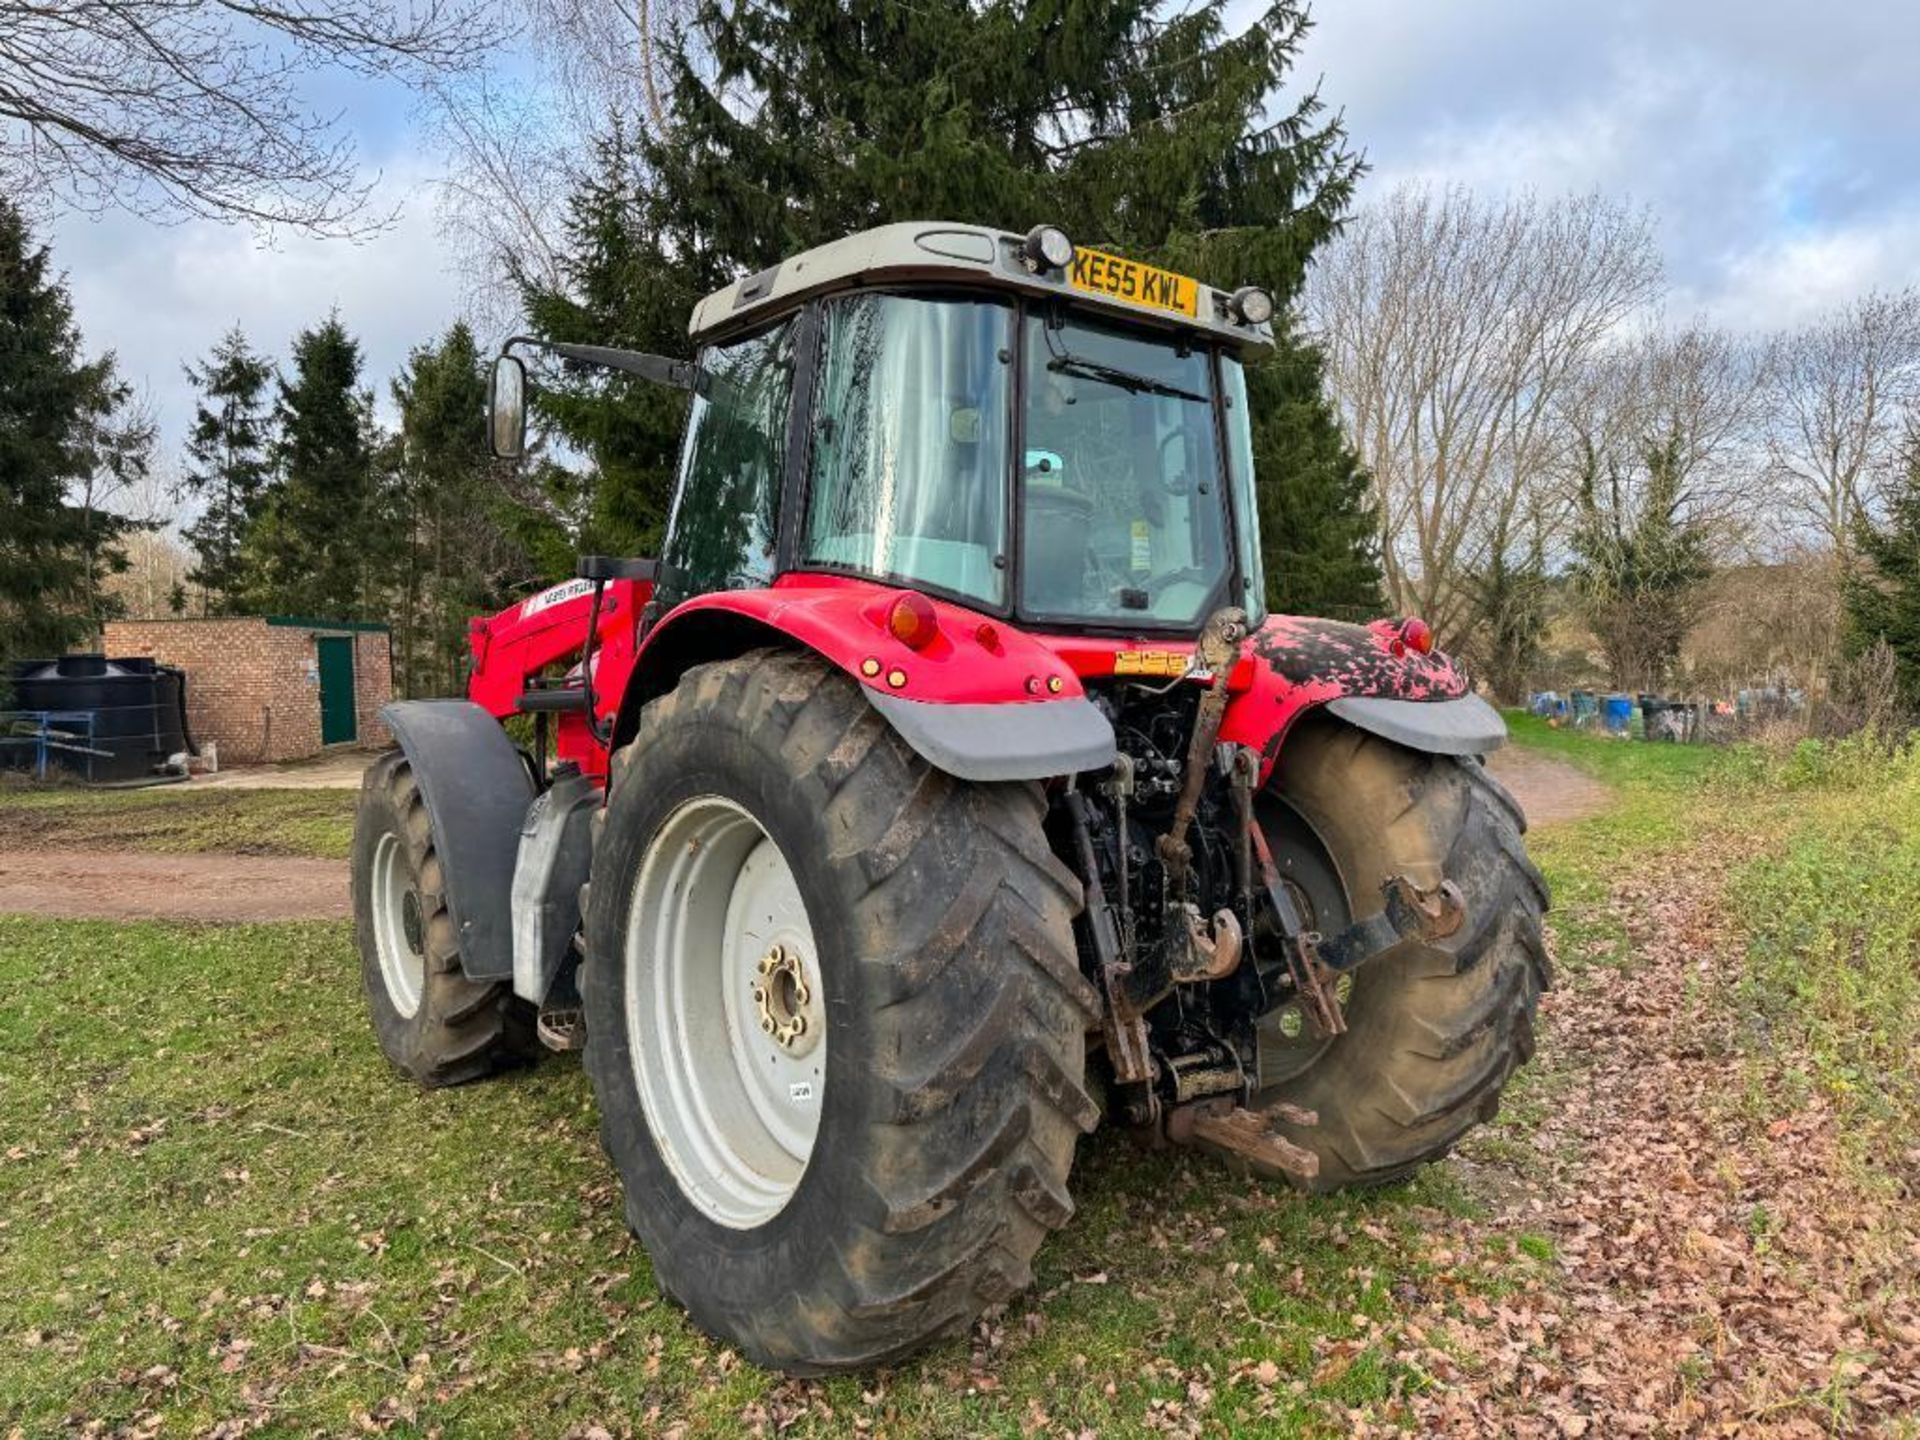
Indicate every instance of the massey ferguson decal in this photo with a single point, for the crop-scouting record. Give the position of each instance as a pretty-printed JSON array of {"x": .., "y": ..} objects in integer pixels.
[{"x": 557, "y": 595}]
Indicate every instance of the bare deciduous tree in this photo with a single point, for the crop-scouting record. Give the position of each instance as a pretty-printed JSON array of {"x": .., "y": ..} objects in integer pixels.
[
  {"x": 1696, "y": 392},
  {"x": 516, "y": 152},
  {"x": 1452, "y": 327},
  {"x": 180, "y": 108},
  {"x": 158, "y": 565},
  {"x": 1837, "y": 394}
]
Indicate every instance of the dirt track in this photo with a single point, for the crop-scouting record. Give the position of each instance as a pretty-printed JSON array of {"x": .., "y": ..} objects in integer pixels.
[
  {"x": 137, "y": 885},
  {"x": 133, "y": 885},
  {"x": 1549, "y": 790}
]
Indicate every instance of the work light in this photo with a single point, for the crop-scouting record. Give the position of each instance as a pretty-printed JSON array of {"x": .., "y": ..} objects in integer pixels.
[
  {"x": 1048, "y": 248},
  {"x": 1251, "y": 305}
]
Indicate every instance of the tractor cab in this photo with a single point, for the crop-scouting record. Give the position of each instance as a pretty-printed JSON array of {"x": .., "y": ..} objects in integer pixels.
[{"x": 1028, "y": 429}]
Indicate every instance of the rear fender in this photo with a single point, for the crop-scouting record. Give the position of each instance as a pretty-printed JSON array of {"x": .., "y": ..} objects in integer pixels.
[
  {"x": 476, "y": 788},
  {"x": 1367, "y": 677},
  {"x": 981, "y": 700}
]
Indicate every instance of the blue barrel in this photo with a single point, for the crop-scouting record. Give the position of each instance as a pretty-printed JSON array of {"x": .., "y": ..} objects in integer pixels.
[{"x": 1616, "y": 713}]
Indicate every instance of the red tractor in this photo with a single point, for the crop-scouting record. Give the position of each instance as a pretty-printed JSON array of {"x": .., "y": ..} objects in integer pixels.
[{"x": 942, "y": 792}]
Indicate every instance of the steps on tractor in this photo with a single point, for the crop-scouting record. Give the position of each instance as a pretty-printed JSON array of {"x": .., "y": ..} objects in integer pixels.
[{"x": 562, "y": 1029}]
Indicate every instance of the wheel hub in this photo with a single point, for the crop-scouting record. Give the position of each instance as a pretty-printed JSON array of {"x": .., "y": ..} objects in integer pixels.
[
  {"x": 410, "y": 925},
  {"x": 784, "y": 1001}
]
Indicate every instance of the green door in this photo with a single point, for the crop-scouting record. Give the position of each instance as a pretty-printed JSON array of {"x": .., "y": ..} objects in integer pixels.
[{"x": 337, "y": 722}]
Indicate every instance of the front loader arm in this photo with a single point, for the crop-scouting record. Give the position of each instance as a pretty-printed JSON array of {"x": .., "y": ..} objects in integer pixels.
[{"x": 512, "y": 648}]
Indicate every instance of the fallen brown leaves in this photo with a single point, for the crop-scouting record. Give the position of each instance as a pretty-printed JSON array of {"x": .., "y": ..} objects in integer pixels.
[{"x": 1713, "y": 1269}]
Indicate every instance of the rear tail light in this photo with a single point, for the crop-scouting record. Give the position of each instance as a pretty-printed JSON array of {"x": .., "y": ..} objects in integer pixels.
[{"x": 911, "y": 621}]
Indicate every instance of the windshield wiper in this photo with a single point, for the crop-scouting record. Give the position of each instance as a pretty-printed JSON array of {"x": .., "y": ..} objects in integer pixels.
[{"x": 1125, "y": 379}]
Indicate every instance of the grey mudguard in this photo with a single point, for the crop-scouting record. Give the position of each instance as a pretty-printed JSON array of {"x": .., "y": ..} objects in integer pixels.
[
  {"x": 1467, "y": 726},
  {"x": 1028, "y": 740},
  {"x": 477, "y": 790}
]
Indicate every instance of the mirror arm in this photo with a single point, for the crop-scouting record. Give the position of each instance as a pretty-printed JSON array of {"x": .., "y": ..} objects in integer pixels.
[{"x": 658, "y": 369}]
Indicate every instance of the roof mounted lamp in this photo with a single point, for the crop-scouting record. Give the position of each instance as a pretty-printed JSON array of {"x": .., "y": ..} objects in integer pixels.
[
  {"x": 1251, "y": 305},
  {"x": 1047, "y": 248}
]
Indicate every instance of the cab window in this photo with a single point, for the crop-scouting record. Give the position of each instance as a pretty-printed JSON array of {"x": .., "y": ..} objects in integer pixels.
[
  {"x": 726, "y": 506},
  {"x": 909, "y": 461}
]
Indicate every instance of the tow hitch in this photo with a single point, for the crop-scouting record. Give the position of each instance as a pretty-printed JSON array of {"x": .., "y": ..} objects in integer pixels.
[{"x": 1248, "y": 1136}]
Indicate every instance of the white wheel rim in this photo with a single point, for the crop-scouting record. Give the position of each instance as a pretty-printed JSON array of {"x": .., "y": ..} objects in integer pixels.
[
  {"x": 726, "y": 1012},
  {"x": 396, "y": 927}
]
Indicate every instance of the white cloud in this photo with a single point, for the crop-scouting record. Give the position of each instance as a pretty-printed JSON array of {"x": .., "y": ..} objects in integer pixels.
[
  {"x": 1792, "y": 280},
  {"x": 161, "y": 296},
  {"x": 1778, "y": 153}
]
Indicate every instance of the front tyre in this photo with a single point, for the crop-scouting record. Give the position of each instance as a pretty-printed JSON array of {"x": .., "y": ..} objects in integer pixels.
[
  {"x": 432, "y": 1021},
  {"x": 834, "y": 1019},
  {"x": 1434, "y": 1029}
]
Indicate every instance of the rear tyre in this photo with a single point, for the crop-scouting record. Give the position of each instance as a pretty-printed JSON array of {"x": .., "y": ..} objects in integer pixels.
[
  {"x": 434, "y": 1023},
  {"x": 832, "y": 1196},
  {"x": 1434, "y": 1030}
]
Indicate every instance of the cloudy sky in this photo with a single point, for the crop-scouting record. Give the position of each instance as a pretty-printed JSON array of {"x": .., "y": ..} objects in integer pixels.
[{"x": 1777, "y": 147}]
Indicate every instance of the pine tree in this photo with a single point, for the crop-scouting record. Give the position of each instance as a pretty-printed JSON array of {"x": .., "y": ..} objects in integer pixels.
[
  {"x": 321, "y": 546},
  {"x": 228, "y": 464},
  {"x": 467, "y": 548},
  {"x": 622, "y": 288},
  {"x": 1319, "y": 530},
  {"x": 1883, "y": 594},
  {"x": 66, "y": 438},
  {"x": 795, "y": 123}
]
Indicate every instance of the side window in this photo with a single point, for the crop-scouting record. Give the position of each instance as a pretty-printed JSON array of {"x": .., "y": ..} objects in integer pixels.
[
  {"x": 1246, "y": 499},
  {"x": 726, "y": 505}
]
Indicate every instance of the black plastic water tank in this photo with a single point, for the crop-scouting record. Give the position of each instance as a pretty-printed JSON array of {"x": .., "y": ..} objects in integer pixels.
[{"x": 138, "y": 709}]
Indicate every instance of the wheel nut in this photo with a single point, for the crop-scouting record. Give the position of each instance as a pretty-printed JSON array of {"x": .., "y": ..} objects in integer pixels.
[
  {"x": 759, "y": 995},
  {"x": 766, "y": 1023},
  {"x": 799, "y": 1026}
]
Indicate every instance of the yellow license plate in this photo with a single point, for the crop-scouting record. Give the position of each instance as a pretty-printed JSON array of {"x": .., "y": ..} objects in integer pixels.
[
  {"x": 1097, "y": 273},
  {"x": 1150, "y": 662}
]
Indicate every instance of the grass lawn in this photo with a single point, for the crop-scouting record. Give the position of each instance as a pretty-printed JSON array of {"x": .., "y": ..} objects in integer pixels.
[
  {"x": 178, "y": 819},
  {"x": 219, "y": 1207}
]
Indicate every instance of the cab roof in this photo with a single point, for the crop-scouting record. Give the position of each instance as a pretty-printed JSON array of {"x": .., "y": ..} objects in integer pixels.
[{"x": 935, "y": 251}]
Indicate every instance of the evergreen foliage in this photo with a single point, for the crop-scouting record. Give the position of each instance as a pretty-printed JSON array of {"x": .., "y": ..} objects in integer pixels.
[
  {"x": 66, "y": 438},
  {"x": 228, "y": 464},
  {"x": 1638, "y": 561},
  {"x": 1319, "y": 528},
  {"x": 465, "y": 549},
  {"x": 621, "y": 289},
  {"x": 321, "y": 543},
  {"x": 1883, "y": 592},
  {"x": 1158, "y": 136},
  {"x": 1510, "y": 604}
]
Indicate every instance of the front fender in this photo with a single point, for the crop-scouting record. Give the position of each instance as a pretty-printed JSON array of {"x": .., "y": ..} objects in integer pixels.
[
  {"x": 1364, "y": 675},
  {"x": 476, "y": 789},
  {"x": 981, "y": 701}
]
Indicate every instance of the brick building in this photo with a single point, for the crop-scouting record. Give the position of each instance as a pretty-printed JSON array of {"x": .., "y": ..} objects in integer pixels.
[{"x": 274, "y": 688}]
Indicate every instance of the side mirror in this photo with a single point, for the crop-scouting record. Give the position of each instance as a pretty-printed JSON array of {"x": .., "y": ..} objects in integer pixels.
[{"x": 507, "y": 409}]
